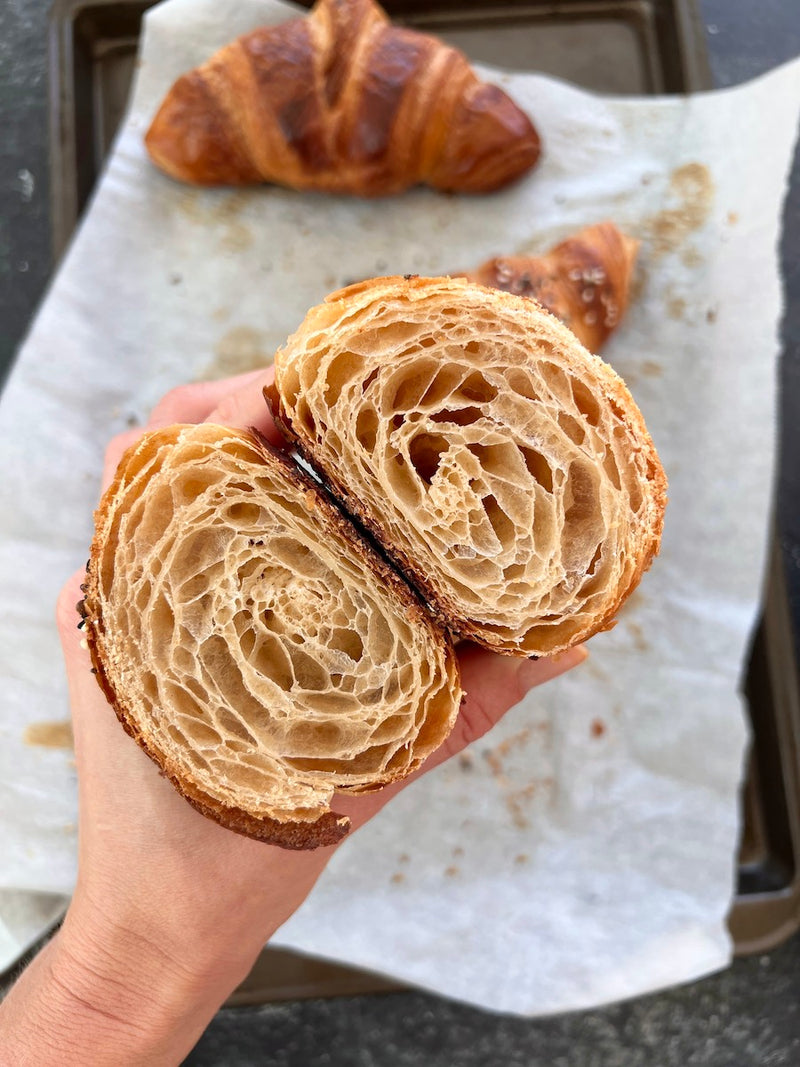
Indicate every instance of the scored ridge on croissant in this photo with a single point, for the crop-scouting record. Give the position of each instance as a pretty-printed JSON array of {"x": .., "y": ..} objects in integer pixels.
[
  {"x": 341, "y": 101},
  {"x": 252, "y": 641},
  {"x": 584, "y": 280},
  {"x": 506, "y": 470}
]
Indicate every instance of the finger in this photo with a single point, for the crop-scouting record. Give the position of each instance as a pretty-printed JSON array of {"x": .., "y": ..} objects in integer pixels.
[
  {"x": 201, "y": 402},
  {"x": 88, "y": 702},
  {"x": 195, "y": 401},
  {"x": 115, "y": 450},
  {"x": 493, "y": 685},
  {"x": 245, "y": 407}
]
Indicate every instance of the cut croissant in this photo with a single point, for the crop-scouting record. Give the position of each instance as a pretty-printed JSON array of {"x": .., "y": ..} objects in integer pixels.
[
  {"x": 252, "y": 642},
  {"x": 505, "y": 469},
  {"x": 341, "y": 101},
  {"x": 585, "y": 280}
]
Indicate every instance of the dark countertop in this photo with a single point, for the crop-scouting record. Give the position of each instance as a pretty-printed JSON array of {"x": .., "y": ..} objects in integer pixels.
[{"x": 747, "y": 1015}]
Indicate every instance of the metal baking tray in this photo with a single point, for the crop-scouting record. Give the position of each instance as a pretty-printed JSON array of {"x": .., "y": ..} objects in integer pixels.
[{"x": 613, "y": 46}]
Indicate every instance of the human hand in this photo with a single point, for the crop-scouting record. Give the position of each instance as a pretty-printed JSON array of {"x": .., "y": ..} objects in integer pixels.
[{"x": 170, "y": 909}]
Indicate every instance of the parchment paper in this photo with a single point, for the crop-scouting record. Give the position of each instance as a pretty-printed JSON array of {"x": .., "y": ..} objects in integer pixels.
[{"x": 585, "y": 850}]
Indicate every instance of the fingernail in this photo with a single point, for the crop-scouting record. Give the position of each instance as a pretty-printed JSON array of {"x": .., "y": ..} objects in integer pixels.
[
  {"x": 536, "y": 672},
  {"x": 575, "y": 655}
]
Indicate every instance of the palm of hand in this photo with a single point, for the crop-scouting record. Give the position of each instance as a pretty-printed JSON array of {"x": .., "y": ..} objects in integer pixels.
[{"x": 141, "y": 843}]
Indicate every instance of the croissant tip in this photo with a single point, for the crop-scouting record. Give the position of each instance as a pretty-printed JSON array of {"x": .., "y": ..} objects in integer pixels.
[
  {"x": 630, "y": 246},
  {"x": 608, "y": 230}
]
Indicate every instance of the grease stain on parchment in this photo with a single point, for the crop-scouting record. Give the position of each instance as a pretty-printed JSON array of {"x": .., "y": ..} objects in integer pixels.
[
  {"x": 212, "y": 205},
  {"x": 221, "y": 210},
  {"x": 691, "y": 188},
  {"x": 676, "y": 307},
  {"x": 637, "y": 635},
  {"x": 49, "y": 734},
  {"x": 690, "y": 257},
  {"x": 240, "y": 349},
  {"x": 236, "y": 238}
]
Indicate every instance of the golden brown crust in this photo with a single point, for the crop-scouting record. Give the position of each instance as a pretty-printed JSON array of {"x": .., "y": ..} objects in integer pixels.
[
  {"x": 341, "y": 101},
  {"x": 584, "y": 281},
  {"x": 347, "y": 321},
  {"x": 119, "y": 659}
]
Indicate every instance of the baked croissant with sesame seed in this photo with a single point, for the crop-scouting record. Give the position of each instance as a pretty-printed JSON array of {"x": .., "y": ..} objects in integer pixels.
[
  {"x": 341, "y": 101},
  {"x": 585, "y": 280}
]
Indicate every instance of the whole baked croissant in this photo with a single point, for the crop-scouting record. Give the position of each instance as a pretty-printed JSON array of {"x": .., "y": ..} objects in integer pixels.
[
  {"x": 341, "y": 101},
  {"x": 585, "y": 280}
]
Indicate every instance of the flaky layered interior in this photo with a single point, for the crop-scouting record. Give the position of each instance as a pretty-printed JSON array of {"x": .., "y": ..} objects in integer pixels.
[
  {"x": 502, "y": 466},
  {"x": 250, "y": 639}
]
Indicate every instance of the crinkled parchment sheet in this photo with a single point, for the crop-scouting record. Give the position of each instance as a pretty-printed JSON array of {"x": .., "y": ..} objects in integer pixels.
[{"x": 585, "y": 850}]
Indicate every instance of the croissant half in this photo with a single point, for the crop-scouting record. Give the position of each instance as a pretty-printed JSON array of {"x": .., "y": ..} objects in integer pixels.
[
  {"x": 585, "y": 280},
  {"x": 341, "y": 101},
  {"x": 252, "y": 642},
  {"x": 249, "y": 636},
  {"x": 504, "y": 469}
]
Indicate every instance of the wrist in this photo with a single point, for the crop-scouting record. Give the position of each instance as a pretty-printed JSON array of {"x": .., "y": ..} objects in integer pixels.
[
  {"x": 116, "y": 994},
  {"x": 202, "y": 930},
  {"x": 119, "y": 986},
  {"x": 142, "y": 962},
  {"x": 126, "y": 961},
  {"x": 100, "y": 999}
]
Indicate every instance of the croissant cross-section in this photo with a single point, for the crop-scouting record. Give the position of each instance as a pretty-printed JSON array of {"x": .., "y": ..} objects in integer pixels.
[
  {"x": 506, "y": 470},
  {"x": 252, "y": 642}
]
